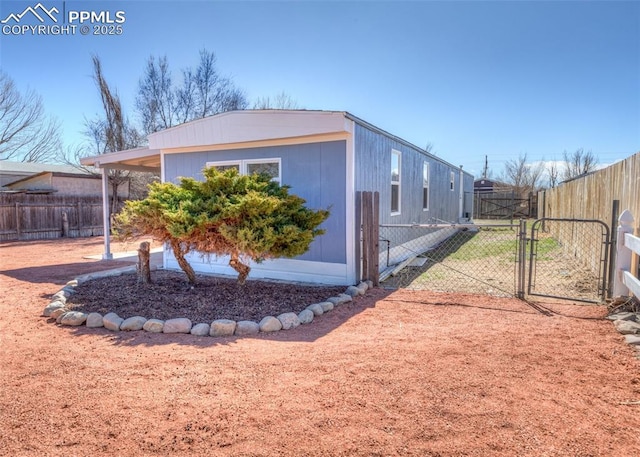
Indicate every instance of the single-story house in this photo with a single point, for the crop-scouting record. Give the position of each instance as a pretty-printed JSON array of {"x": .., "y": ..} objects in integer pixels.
[
  {"x": 484, "y": 185},
  {"x": 40, "y": 178},
  {"x": 325, "y": 157}
]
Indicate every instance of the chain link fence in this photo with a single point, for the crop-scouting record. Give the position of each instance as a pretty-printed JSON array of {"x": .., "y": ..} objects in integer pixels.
[
  {"x": 560, "y": 258},
  {"x": 478, "y": 259}
]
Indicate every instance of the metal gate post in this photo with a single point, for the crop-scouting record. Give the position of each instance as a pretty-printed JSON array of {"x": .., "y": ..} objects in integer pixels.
[{"x": 522, "y": 258}]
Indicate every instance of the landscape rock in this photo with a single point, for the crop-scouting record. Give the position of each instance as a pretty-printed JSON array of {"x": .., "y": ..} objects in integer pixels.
[
  {"x": 352, "y": 291},
  {"x": 59, "y": 318},
  {"x": 269, "y": 324},
  {"x": 326, "y": 306},
  {"x": 201, "y": 329},
  {"x": 51, "y": 307},
  {"x": 177, "y": 325},
  {"x": 57, "y": 312},
  {"x": 305, "y": 316},
  {"x": 112, "y": 321},
  {"x": 316, "y": 309},
  {"x": 289, "y": 320},
  {"x": 624, "y": 316},
  {"x": 69, "y": 289},
  {"x": 132, "y": 324},
  {"x": 363, "y": 287},
  {"x": 369, "y": 283},
  {"x": 246, "y": 328},
  {"x": 94, "y": 320},
  {"x": 61, "y": 295},
  {"x": 340, "y": 299},
  {"x": 627, "y": 327},
  {"x": 153, "y": 326},
  {"x": 222, "y": 327},
  {"x": 632, "y": 339},
  {"x": 73, "y": 318}
]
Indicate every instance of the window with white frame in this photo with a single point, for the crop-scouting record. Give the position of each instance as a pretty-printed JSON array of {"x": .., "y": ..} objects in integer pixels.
[
  {"x": 396, "y": 164},
  {"x": 452, "y": 181},
  {"x": 247, "y": 167},
  {"x": 425, "y": 186}
]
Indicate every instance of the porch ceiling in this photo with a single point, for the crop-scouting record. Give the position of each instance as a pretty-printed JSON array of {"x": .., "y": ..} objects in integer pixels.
[{"x": 139, "y": 159}]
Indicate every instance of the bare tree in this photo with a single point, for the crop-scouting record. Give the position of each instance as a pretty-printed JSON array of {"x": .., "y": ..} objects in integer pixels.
[
  {"x": 202, "y": 92},
  {"x": 26, "y": 134},
  {"x": 214, "y": 93},
  {"x": 554, "y": 173},
  {"x": 111, "y": 132},
  {"x": 156, "y": 101},
  {"x": 282, "y": 100},
  {"x": 523, "y": 176},
  {"x": 185, "y": 97},
  {"x": 579, "y": 163}
]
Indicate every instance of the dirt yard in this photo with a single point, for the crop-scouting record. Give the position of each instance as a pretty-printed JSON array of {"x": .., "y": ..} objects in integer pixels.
[{"x": 394, "y": 373}]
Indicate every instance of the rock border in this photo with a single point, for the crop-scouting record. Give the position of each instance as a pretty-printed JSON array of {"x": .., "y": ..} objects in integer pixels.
[
  {"x": 56, "y": 309},
  {"x": 628, "y": 324}
]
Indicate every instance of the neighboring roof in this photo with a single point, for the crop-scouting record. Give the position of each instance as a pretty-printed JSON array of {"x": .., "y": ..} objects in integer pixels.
[
  {"x": 56, "y": 174},
  {"x": 30, "y": 168}
]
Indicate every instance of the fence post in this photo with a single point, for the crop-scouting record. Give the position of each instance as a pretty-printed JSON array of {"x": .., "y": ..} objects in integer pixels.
[
  {"x": 18, "y": 228},
  {"x": 65, "y": 225},
  {"x": 522, "y": 258},
  {"x": 370, "y": 236},
  {"x": 615, "y": 208},
  {"x": 80, "y": 221},
  {"x": 374, "y": 275},
  {"x": 366, "y": 242},
  {"x": 623, "y": 255}
]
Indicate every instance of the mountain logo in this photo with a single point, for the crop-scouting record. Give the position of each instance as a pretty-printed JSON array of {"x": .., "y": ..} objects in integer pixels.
[{"x": 39, "y": 11}]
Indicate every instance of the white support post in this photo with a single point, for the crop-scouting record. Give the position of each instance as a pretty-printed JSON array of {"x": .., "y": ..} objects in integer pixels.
[
  {"x": 623, "y": 254},
  {"x": 105, "y": 215}
]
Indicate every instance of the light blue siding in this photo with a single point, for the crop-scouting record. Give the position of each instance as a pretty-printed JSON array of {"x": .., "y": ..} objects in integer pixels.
[
  {"x": 315, "y": 172},
  {"x": 373, "y": 173}
]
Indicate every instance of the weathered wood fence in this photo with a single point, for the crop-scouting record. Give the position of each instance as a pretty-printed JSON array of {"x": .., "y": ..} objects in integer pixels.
[
  {"x": 504, "y": 205},
  {"x": 32, "y": 217},
  {"x": 368, "y": 209},
  {"x": 591, "y": 196},
  {"x": 625, "y": 279}
]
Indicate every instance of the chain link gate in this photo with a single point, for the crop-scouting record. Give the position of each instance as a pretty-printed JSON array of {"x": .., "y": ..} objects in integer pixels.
[
  {"x": 477, "y": 259},
  {"x": 566, "y": 258},
  {"x": 569, "y": 259}
]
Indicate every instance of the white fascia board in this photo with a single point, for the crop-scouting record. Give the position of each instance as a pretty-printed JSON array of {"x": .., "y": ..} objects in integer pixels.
[
  {"x": 133, "y": 156},
  {"x": 250, "y": 126}
]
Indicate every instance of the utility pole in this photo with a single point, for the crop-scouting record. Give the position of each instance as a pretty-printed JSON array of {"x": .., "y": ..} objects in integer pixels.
[{"x": 486, "y": 167}]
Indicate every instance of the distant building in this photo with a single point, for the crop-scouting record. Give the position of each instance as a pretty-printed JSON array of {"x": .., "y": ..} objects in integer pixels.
[
  {"x": 40, "y": 178},
  {"x": 484, "y": 185}
]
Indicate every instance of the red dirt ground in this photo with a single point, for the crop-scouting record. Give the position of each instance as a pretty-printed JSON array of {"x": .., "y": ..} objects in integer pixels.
[{"x": 395, "y": 373}]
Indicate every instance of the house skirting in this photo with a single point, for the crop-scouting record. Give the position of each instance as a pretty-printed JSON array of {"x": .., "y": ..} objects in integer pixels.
[{"x": 277, "y": 269}]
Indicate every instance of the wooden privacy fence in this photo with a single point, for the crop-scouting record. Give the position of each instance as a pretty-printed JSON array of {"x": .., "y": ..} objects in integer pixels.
[
  {"x": 32, "y": 217},
  {"x": 625, "y": 280},
  {"x": 504, "y": 205},
  {"x": 591, "y": 196}
]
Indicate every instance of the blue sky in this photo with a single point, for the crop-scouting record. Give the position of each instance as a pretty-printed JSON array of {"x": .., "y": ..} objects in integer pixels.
[{"x": 475, "y": 78}]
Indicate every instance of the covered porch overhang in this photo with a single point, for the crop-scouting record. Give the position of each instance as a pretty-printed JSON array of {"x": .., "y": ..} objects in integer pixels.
[{"x": 139, "y": 159}]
